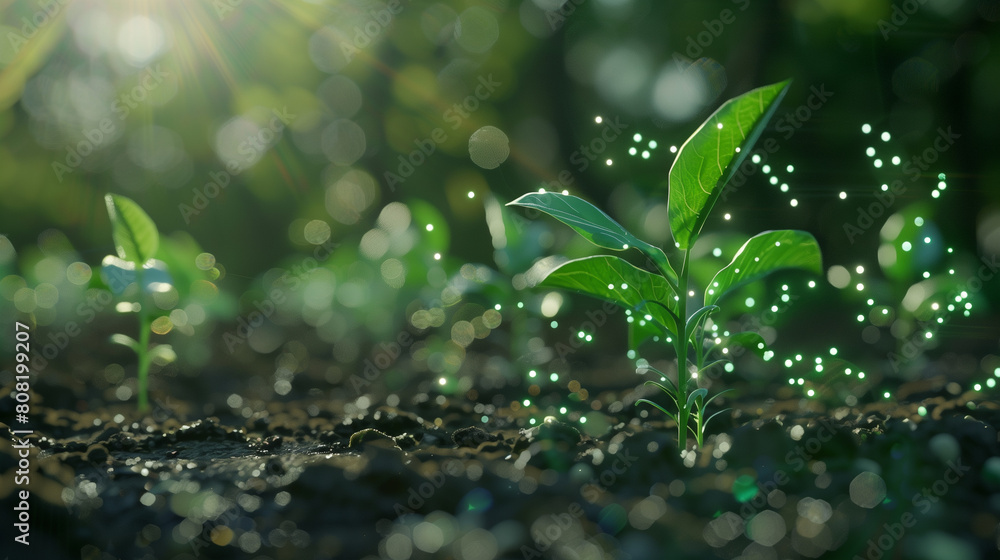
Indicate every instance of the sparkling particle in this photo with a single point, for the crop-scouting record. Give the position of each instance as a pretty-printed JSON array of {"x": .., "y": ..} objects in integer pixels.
[
  {"x": 886, "y": 136},
  {"x": 843, "y": 195},
  {"x": 866, "y": 128}
]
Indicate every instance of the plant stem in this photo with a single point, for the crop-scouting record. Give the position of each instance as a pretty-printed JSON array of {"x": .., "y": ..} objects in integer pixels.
[
  {"x": 680, "y": 347},
  {"x": 142, "y": 351}
]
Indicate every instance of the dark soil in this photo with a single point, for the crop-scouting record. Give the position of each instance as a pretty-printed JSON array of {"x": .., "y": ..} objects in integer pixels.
[{"x": 781, "y": 478}]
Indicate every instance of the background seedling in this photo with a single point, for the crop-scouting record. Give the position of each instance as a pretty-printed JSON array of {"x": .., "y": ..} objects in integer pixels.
[{"x": 136, "y": 242}]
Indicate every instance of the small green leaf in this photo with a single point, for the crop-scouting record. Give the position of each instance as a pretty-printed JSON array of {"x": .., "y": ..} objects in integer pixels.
[
  {"x": 594, "y": 225},
  {"x": 134, "y": 233},
  {"x": 695, "y": 318},
  {"x": 704, "y": 426},
  {"x": 663, "y": 410},
  {"x": 618, "y": 281},
  {"x": 125, "y": 341},
  {"x": 672, "y": 390},
  {"x": 712, "y": 365},
  {"x": 693, "y": 397},
  {"x": 749, "y": 340},
  {"x": 162, "y": 354},
  {"x": 763, "y": 254},
  {"x": 711, "y": 156}
]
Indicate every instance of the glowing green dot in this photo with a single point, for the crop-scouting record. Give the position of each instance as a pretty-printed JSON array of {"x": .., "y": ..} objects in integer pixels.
[
  {"x": 589, "y": 338},
  {"x": 833, "y": 351},
  {"x": 935, "y": 194},
  {"x": 785, "y": 298},
  {"x": 790, "y": 168},
  {"x": 632, "y": 151},
  {"x": 581, "y": 334},
  {"x": 922, "y": 411},
  {"x": 870, "y": 152},
  {"x": 562, "y": 410},
  {"x": 801, "y": 381},
  {"x": 788, "y": 363},
  {"x": 927, "y": 240},
  {"x": 866, "y": 128},
  {"x": 896, "y": 160},
  {"x": 861, "y": 375},
  {"x": 996, "y": 372},
  {"x": 991, "y": 383},
  {"x": 755, "y": 158},
  {"x": 717, "y": 252},
  {"x": 791, "y": 381},
  {"x": 520, "y": 305},
  {"x": 637, "y": 137},
  {"x": 532, "y": 373},
  {"x": 811, "y": 393},
  {"x": 645, "y": 154},
  {"x": 798, "y": 357},
  {"x": 861, "y": 318},
  {"x": 886, "y": 394},
  {"x": 485, "y": 419},
  {"x": 784, "y": 187},
  {"x": 847, "y": 371},
  {"x": 819, "y": 369},
  {"x": 749, "y": 302},
  {"x": 744, "y": 488},
  {"x": 531, "y": 421},
  {"x": 812, "y": 284},
  {"x": 766, "y": 168},
  {"x": 652, "y": 144},
  {"x": 907, "y": 246},
  {"x": 442, "y": 381},
  {"x": 885, "y": 137},
  {"x": 554, "y": 324},
  {"x": 977, "y": 387},
  {"x": 472, "y": 194},
  {"x": 527, "y": 402},
  {"x": 554, "y": 377},
  {"x": 583, "y": 419},
  {"x": 878, "y": 164},
  {"x": 497, "y": 307},
  {"x": 729, "y": 367}
]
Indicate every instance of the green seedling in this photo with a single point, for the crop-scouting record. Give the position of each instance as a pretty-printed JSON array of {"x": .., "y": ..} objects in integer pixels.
[
  {"x": 136, "y": 242},
  {"x": 660, "y": 292}
]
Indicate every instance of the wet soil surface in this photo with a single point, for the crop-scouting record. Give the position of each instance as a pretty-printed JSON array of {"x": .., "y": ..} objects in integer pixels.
[{"x": 443, "y": 477}]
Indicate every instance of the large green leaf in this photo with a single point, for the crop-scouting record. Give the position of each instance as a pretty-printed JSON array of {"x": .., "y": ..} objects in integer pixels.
[
  {"x": 710, "y": 157},
  {"x": 763, "y": 254},
  {"x": 134, "y": 233},
  {"x": 613, "y": 279},
  {"x": 594, "y": 225}
]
